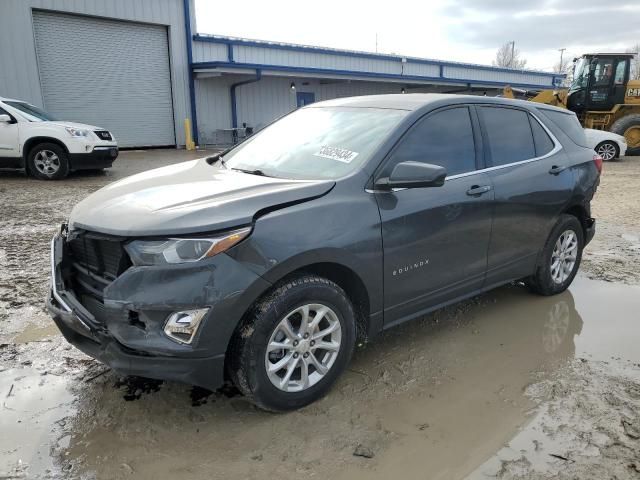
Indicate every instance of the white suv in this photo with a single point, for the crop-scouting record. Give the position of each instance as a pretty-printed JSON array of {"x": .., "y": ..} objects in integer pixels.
[{"x": 47, "y": 148}]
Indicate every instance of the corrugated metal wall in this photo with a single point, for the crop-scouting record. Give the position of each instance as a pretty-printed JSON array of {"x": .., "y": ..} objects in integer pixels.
[
  {"x": 261, "y": 102},
  {"x": 478, "y": 75},
  {"x": 216, "y": 49},
  {"x": 130, "y": 97},
  {"x": 19, "y": 77},
  {"x": 273, "y": 56}
]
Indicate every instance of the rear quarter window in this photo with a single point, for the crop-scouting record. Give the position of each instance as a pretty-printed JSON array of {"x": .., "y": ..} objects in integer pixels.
[
  {"x": 568, "y": 123},
  {"x": 542, "y": 141}
]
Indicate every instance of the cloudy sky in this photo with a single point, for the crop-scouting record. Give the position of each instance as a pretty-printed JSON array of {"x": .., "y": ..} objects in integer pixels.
[{"x": 459, "y": 30}]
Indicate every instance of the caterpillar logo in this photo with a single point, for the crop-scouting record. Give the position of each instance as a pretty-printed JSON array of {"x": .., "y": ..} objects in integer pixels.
[{"x": 633, "y": 92}]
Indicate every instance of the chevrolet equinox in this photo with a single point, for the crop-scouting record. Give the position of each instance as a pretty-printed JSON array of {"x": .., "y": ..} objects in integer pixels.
[{"x": 267, "y": 264}]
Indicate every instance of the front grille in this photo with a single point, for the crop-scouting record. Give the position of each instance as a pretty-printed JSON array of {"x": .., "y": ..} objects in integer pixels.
[
  {"x": 103, "y": 135},
  {"x": 93, "y": 262}
]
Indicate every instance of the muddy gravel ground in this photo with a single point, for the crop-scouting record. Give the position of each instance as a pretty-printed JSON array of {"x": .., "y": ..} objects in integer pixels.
[{"x": 506, "y": 385}]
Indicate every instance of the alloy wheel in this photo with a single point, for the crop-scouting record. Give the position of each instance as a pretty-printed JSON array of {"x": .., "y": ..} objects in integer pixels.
[
  {"x": 47, "y": 162},
  {"x": 607, "y": 151},
  {"x": 564, "y": 255},
  {"x": 303, "y": 347}
]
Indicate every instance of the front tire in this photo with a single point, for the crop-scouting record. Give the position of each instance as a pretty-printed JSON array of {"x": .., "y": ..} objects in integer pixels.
[
  {"x": 608, "y": 150},
  {"x": 560, "y": 258},
  {"x": 294, "y": 344},
  {"x": 48, "y": 161}
]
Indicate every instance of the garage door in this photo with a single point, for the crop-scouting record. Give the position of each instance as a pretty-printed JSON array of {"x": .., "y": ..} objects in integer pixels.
[{"x": 107, "y": 73}]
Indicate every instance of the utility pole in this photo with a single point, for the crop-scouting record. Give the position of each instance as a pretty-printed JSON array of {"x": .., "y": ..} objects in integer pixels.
[
  {"x": 376, "y": 42},
  {"x": 513, "y": 52},
  {"x": 561, "y": 50}
]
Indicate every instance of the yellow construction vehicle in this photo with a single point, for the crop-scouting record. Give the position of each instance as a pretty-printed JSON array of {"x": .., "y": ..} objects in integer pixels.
[{"x": 601, "y": 94}]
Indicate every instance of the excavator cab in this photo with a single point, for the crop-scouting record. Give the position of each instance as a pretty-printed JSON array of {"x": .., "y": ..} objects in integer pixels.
[{"x": 599, "y": 81}]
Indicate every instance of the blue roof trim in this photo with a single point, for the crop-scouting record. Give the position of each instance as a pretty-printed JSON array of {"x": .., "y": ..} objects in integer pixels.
[
  {"x": 350, "y": 53},
  {"x": 355, "y": 73}
]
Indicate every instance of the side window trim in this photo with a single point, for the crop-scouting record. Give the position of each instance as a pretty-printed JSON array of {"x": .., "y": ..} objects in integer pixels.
[
  {"x": 557, "y": 146},
  {"x": 383, "y": 164}
]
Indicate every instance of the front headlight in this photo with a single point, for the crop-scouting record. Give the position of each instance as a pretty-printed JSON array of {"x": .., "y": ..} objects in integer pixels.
[
  {"x": 77, "y": 132},
  {"x": 182, "y": 250}
]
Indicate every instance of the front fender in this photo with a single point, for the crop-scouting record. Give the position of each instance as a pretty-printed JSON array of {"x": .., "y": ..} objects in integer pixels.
[{"x": 332, "y": 229}]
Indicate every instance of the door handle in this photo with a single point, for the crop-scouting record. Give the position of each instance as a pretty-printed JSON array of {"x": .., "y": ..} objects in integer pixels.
[
  {"x": 477, "y": 190},
  {"x": 556, "y": 169}
]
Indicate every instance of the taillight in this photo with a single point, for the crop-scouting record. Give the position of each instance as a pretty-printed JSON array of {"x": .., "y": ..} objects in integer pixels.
[{"x": 597, "y": 159}]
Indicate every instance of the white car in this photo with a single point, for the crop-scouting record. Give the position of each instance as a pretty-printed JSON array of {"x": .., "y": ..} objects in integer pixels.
[
  {"x": 48, "y": 148},
  {"x": 606, "y": 144}
]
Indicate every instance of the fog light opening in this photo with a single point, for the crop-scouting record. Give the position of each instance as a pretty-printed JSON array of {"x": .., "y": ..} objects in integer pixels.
[{"x": 183, "y": 326}]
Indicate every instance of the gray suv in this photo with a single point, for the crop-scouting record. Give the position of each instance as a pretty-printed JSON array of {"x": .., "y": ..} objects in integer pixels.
[{"x": 267, "y": 264}]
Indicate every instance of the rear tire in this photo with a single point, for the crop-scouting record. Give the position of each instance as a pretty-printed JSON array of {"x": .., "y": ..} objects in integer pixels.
[
  {"x": 48, "y": 161},
  {"x": 560, "y": 258},
  {"x": 608, "y": 150},
  {"x": 271, "y": 350}
]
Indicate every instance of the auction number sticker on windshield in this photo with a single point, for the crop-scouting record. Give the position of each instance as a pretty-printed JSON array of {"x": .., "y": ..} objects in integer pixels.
[{"x": 335, "y": 153}]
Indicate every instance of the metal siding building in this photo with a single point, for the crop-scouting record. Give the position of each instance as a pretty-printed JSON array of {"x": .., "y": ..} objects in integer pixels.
[
  {"x": 95, "y": 61},
  {"x": 264, "y": 74},
  {"x": 127, "y": 66}
]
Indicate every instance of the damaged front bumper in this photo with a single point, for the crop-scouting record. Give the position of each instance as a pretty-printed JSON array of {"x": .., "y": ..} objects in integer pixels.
[
  {"x": 207, "y": 372},
  {"x": 124, "y": 329}
]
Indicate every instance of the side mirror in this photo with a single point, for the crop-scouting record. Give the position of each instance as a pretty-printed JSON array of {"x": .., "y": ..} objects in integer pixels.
[
  {"x": 4, "y": 118},
  {"x": 413, "y": 175}
]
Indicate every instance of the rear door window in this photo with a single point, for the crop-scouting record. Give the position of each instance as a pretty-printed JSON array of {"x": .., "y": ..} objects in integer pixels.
[
  {"x": 443, "y": 138},
  {"x": 568, "y": 123},
  {"x": 509, "y": 135}
]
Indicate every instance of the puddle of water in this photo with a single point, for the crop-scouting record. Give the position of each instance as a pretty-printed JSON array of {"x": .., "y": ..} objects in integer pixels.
[
  {"x": 28, "y": 419},
  {"x": 36, "y": 332},
  {"x": 611, "y": 313},
  {"x": 432, "y": 399},
  {"x": 27, "y": 324},
  {"x": 594, "y": 319},
  {"x": 583, "y": 423}
]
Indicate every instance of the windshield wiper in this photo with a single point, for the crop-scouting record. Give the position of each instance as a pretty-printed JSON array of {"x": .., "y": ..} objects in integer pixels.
[{"x": 251, "y": 172}]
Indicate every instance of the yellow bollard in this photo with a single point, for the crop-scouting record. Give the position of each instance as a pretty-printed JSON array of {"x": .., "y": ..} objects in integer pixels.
[{"x": 189, "y": 144}]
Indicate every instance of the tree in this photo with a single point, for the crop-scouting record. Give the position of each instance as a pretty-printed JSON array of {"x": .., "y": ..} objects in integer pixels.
[
  {"x": 508, "y": 56},
  {"x": 635, "y": 62},
  {"x": 565, "y": 67}
]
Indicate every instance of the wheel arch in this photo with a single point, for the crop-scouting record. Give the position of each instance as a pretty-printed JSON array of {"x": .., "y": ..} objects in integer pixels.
[
  {"x": 581, "y": 213},
  {"x": 342, "y": 275},
  {"x": 352, "y": 284},
  {"x": 33, "y": 141}
]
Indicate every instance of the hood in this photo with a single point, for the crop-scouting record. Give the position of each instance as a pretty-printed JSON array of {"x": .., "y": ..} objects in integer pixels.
[{"x": 189, "y": 197}]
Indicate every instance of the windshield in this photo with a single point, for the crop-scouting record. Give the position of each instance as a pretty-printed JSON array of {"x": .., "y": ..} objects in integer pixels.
[
  {"x": 315, "y": 143},
  {"x": 580, "y": 74},
  {"x": 33, "y": 113}
]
